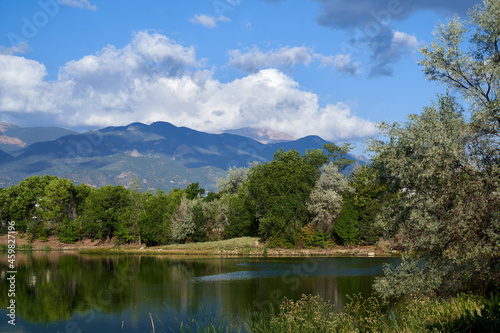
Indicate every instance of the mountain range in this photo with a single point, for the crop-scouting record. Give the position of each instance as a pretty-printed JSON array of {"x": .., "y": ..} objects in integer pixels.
[{"x": 161, "y": 155}]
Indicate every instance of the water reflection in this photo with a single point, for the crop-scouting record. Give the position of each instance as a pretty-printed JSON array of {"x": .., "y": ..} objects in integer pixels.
[{"x": 68, "y": 292}]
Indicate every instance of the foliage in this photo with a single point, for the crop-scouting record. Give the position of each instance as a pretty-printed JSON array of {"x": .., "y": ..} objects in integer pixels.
[
  {"x": 368, "y": 194},
  {"x": 69, "y": 231},
  {"x": 279, "y": 190},
  {"x": 183, "y": 226},
  {"x": 325, "y": 201},
  {"x": 311, "y": 237},
  {"x": 106, "y": 213},
  {"x": 201, "y": 231},
  {"x": 241, "y": 218},
  {"x": 445, "y": 207},
  {"x": 193, "y": 190},
  {"x": 346, "y": 226},
  {"x": 337, "y": 153},
  {"x": 19, "y": 203},
  {"x": 235, "y": 177},
  {"x": 308, "y": 314},
  {"x": 216, "y": 215},
  {"x": 447, "y": 169},
  {"x": 154, "y": 222},
  {"x": 463, "y": 313},
  {"x": 57, "y": 201}
]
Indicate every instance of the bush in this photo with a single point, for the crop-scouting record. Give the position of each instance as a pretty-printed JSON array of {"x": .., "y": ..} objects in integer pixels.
[
  {"x": 69, "y": 231},
  {"x": 311, "y": 237},
  {"x": 38, "y": 230},
  {"x": 309, "y": 314}
]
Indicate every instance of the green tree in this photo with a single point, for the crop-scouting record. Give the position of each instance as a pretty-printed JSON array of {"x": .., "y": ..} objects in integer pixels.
[
  {"x": 242, "y": 216},
  {"x": 57, "y": 202},
  {"x": 445, "y": 211},
  {"x": 346, "y": 225},
  {"x": 280, "y": 189},
  {"x": 448, "y": 169},
  {"x": 369, "y": 191},
  {"x": 193, "y": 190},
  {"x": 235, "y": 177},
  {"x": 105, "y": 213},
  {"x": 183, "y": 225},
  {"x": 155, "y": 222},
  {"x": 337, "y": 155},
  {"x": 20, "y": 202},
  {"x": 326, "y": 199}
]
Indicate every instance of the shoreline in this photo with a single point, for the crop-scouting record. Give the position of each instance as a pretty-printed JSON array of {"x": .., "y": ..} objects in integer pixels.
[{"x": 244, "y": 246}]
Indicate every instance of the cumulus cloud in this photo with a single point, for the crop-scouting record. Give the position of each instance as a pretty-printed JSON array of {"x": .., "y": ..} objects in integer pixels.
[
  {"x": 20, "y": 48},
  {"x": 208, "y": 21},
  {"x": 287, "y": 57},
  {"x": 154, "y": 78},
  {"x": 369, "y": 22},
  {"x": 83, "y": 4}
]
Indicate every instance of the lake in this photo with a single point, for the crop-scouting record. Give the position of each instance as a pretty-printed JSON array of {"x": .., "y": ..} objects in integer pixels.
[{"x": 67, "y": 292}]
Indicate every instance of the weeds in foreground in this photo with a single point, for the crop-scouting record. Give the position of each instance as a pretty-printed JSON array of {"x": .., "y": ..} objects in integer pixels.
[
  {"x": 206, "y": 321},
  {"x": 310, "y": 314}
]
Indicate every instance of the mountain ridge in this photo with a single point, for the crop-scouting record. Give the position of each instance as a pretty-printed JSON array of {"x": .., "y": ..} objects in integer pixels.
[{"x": 160, "y": 154}]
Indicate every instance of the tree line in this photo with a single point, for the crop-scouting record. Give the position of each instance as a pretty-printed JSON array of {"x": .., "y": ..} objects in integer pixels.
[{"x": 294, "y": 200}]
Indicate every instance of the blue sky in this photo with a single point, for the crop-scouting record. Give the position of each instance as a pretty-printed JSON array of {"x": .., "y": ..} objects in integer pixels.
[{"x": 332, "y": 68}]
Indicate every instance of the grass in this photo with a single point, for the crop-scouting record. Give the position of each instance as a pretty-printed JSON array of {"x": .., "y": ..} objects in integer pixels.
[
  {"x": 243, "y": 246},
  {"x": 25, "y": 247}
]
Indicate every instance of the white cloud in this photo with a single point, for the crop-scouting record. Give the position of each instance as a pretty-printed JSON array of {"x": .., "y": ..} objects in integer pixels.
[
  {"x": 153, "y": 78},
  {"x": 254, "y": 60},
  {"x": 20, "y": 48},
  {"x": 342, "y": 63},
  {"x": 402, "y": 39},
  {"x": 208, "y": 21},
  {"x": 83, "y": 4},
  {"x": 286, "y": 57}
]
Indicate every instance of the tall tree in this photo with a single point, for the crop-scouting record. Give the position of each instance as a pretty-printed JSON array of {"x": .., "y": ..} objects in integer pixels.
[
  {"x": 155, "y": 223},
  {"x": 446, "y": 207},
  {"x": 447, "y": 169},
  {"x": 326, "y": 199},
  {"x": 106, "y": 211},
  {"x": 473, "y": 70},
  {"x": 280, "y": 189},
  {"x": 369, "y": 191}
]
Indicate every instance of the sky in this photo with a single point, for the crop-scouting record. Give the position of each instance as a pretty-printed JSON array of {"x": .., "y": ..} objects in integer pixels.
[{"x": 332, "y": 68}]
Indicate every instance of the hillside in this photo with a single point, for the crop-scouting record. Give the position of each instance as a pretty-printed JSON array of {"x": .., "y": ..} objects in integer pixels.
[
  {"x": 13, "y": 137},
  {"x": 161, "y": 155}
]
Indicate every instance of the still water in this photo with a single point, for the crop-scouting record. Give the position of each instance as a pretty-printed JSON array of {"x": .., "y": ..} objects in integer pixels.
[{"x": 66, "y": 292}]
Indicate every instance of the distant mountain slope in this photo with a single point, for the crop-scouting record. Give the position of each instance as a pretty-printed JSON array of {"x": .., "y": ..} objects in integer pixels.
[
  {"x": 262, "y": 134},
  {"x": 161, "y": 155},
  {"x": 5, "y": 126},
  {"x": 5, "y": 157},
  {"x": 13, "y": 138}
]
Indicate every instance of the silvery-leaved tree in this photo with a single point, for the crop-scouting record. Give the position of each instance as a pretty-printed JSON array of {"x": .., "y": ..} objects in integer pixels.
[{"x": 445, "y": 168}]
